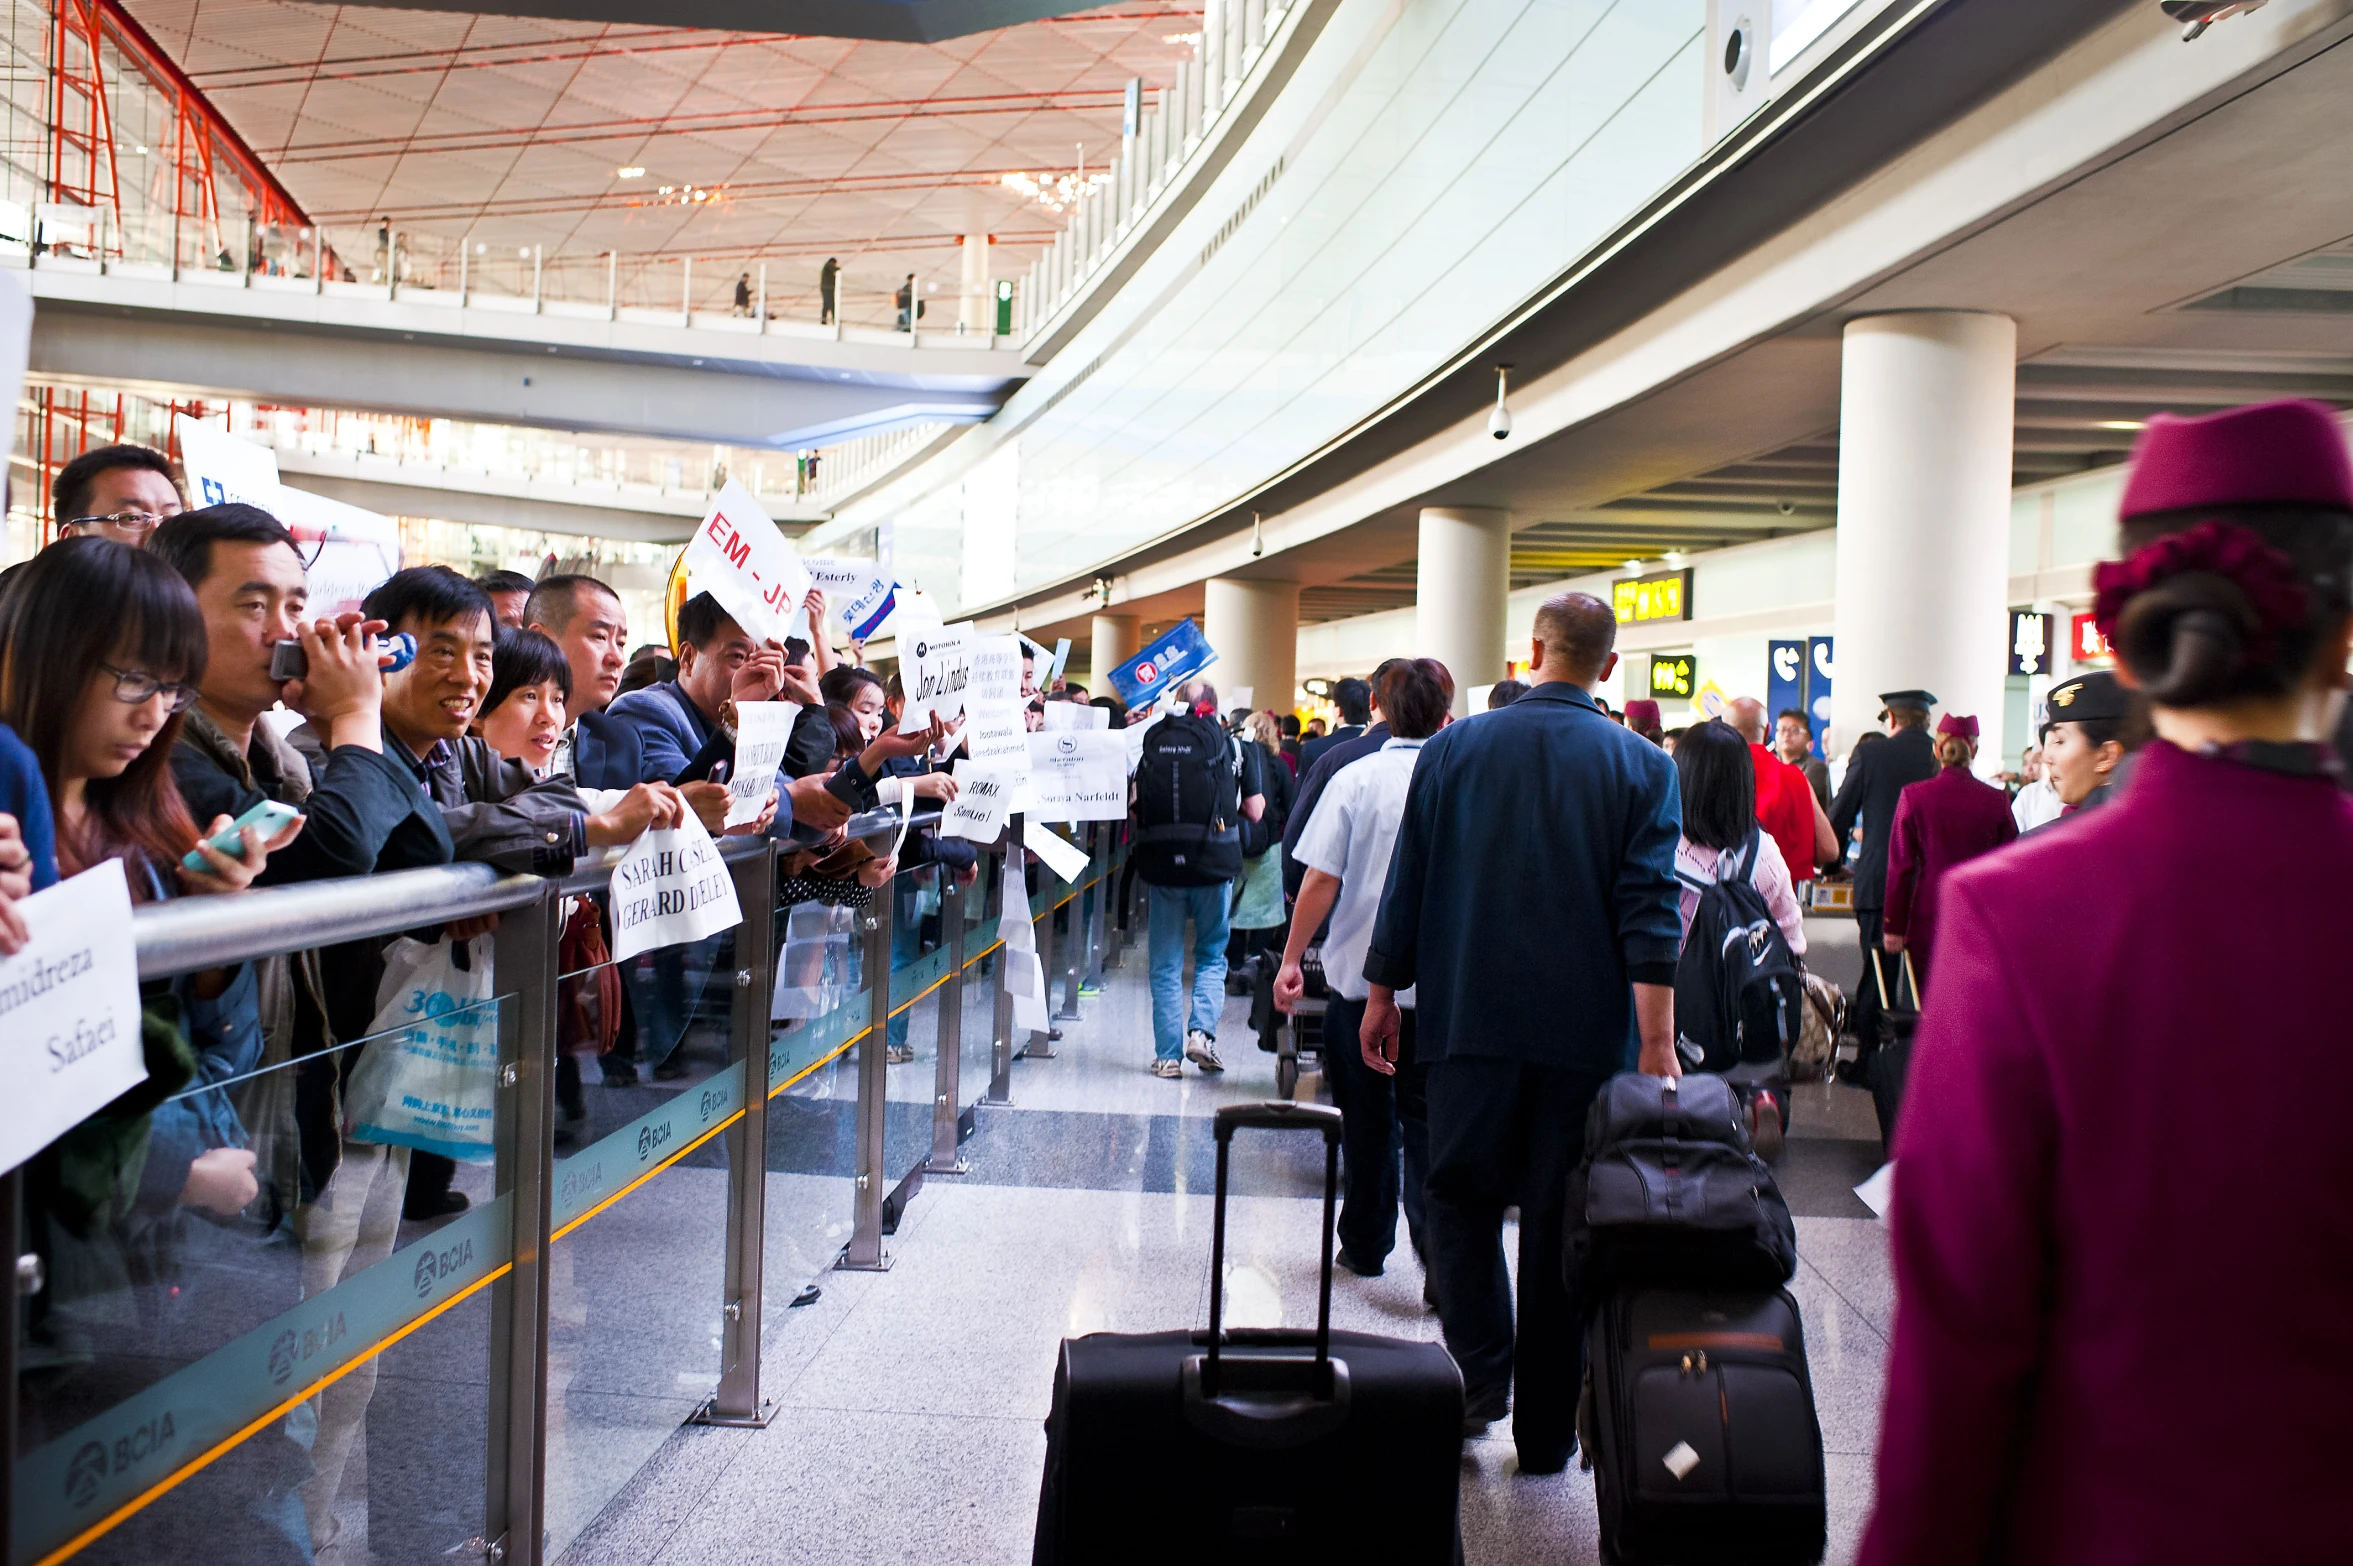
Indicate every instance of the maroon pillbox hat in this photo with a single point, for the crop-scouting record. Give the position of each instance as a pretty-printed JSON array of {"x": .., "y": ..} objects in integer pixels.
[
  {"x": 1957, "y": 723},
  {"x": 2267, "y": 453},
  {"x": 1642, "y": 716}
]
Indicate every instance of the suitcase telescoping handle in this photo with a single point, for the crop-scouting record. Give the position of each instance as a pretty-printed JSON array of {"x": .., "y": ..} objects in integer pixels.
[{"x": 1274, "y": 1115}]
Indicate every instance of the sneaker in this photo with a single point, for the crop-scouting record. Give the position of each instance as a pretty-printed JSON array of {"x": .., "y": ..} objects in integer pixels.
[
  {"x": 1201, "y": 1050},
  {"x": 1168, "y": 1068},
  {"x": 1765, "y": 1134}
]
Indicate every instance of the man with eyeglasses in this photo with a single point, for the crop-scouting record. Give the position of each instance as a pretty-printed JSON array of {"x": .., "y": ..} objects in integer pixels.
[{"x": 120, "y": 492}]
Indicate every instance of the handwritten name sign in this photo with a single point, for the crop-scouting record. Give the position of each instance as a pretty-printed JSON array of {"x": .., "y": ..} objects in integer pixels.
[
  {"x": 984, "y": 794},
  {"x": 935, "y": 667},
  {"x": 69, "y": 1011},
  {"x": 762, "y": 729},
  {"x": 739, "y": 558},
  {"x": 671, "y": 887},
  {"x": 860, "y": 593}
]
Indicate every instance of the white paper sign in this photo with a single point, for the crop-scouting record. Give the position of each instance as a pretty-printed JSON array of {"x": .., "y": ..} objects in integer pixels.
[
  {"x": 994, "y": 731},
  {"x": 856, "y": 592},
  {"x": 1062, "y": 716},
  {"x": 349, "y": 549},
  {"x": 16, "y": 336},
  {"x": 69, "y": 1011},
  {"x": 1879, "y": 1190},
  {"x": 739, "y": 558},
  {"x": 1055, "y": 850},
  {"x": 1025, "y": 975},
  {"x": 1078, "y": 775},
  {"x": 762, "y": 728},
  {"x": 984, "y": 794},
  {"x": 935, "y": 665},
  {"x": 671, "y": 887}
]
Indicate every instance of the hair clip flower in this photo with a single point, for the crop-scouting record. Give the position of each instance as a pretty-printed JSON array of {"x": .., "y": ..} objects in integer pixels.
[{"x": 2221, "y": 549}]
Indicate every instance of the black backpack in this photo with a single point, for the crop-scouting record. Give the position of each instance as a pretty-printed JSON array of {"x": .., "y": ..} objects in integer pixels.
[
  {"x": 1188, "y": 804},
  {"x": 1739, "y": 995},
  {"x": 1672, "y": 1194}
]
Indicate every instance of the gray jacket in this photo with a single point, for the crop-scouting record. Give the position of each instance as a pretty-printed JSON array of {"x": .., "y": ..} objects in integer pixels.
[{"x": 496, "y": 811}]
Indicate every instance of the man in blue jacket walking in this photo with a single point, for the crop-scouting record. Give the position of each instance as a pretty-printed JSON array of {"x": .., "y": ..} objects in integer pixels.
[{"x": 1532, "y": 900}]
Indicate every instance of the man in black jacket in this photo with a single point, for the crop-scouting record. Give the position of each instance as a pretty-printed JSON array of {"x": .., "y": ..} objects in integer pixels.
[
  {"x": 1354, "y": 698},
  {"x": 1875, "y": 775}
]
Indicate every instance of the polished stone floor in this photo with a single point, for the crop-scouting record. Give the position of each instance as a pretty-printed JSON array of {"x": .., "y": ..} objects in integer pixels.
[{"x": 911, "y": 1401}]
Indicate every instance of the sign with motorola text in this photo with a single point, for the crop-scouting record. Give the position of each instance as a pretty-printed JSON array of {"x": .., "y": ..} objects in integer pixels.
[
  {"x": 2030, "y": 643},
  {"x": 2085, "y": 643},
  {"x": 69, "y": 1010},
  {"x": 1174, "y": 657},
  {"x": 739, "y": 558},
  {"x": 1663, "y": 595},
  {"x": 1674, "y": 675},
  {"x": 671, "y": 887},
  {"x": 935, "y": 669}
]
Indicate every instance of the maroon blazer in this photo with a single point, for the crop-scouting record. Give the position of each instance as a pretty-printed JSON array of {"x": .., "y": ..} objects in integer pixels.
[
  {"x": 2121, "y": 1206},
  {"x": 1939, "y": 823}
]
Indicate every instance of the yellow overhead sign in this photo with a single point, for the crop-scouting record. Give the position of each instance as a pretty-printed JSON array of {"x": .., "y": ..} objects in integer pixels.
[{"x": 1664, "y": 595}]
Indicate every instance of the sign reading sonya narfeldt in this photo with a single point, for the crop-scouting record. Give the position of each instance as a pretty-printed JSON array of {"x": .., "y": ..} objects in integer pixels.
[
  {"x": 673, "y": 887},
  {"x": 69, "y": 1011}
]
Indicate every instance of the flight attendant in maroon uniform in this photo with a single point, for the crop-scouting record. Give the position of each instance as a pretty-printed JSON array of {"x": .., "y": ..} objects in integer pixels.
[
  {"x": 1941, "y": 823},
  {"x": 2120, "y": 1177}
]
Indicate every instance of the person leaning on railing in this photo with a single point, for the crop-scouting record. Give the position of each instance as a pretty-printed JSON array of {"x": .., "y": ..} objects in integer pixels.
[{"x": 100, "y": 648}]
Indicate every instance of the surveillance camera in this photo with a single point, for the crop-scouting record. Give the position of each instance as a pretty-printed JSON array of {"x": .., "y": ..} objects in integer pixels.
[
  {"x": 1499, "y": 422},
  {"x": 2198, "y": 15}
]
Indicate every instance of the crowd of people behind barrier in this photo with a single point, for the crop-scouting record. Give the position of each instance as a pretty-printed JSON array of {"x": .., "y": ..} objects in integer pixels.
[
  {"x": 144, "y": 694},
  {"x": 1495, "y": 908}
]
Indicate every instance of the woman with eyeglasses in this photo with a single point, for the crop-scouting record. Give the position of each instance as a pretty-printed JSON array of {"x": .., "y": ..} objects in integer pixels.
[{"x": 101, "y": 648}]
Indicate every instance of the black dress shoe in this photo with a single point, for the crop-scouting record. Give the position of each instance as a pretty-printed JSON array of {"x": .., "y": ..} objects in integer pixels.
[
  {"x": 1482, "y": 1406},
  {"x": 1549, "y": 1461},
  {"x": 619, "y": 1073},
  {"x": 449, "y": 1205},
  {"x": 1360, "y": 1268}
]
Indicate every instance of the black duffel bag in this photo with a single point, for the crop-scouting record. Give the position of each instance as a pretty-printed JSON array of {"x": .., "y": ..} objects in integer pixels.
[{"x": 1672, "y": 1194}]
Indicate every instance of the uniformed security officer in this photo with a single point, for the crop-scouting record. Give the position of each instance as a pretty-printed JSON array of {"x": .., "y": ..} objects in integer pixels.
[{"x": 1875, "y": 776}]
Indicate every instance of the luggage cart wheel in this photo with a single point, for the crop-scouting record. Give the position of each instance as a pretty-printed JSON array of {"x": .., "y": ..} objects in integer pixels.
[{"x": 1286, "y": 1074}]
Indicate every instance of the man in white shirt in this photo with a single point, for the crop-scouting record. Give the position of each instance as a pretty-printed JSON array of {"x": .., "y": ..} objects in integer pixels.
[
  {"x": 1346, "y": 847},
  {"x": 2037, "y": 804}
]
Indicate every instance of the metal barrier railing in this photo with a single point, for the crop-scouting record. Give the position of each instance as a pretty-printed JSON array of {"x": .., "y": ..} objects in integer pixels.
[{"x": 161, "y": 1408}]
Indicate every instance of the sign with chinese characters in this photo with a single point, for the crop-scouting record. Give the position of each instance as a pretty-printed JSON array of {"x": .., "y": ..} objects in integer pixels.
[
  {"x": 1662, "y": 595},
  {"x": 2030, "y": 642},
  {"x": 1674, "y": 676},
  {"x": 1174, "y": 657},
  {"x": 2085, "y": 644}
]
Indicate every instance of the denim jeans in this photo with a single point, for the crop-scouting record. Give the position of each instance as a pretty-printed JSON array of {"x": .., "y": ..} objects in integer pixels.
[{"x": 1168, "y": 907}]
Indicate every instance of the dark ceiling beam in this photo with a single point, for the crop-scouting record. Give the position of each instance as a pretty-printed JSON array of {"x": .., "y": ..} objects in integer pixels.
[{"x": 886, "y": 21}]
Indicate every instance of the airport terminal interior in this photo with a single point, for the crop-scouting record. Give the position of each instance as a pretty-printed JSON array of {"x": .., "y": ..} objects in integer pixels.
[{"x": 1247, "y": 356}]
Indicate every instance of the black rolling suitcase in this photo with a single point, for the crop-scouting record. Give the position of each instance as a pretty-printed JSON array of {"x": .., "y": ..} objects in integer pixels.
[
  {"x": 1277, "y": 1445},
  {"x": 1698, "y": 1423},
  {"x": 1891, "y": 1063}
]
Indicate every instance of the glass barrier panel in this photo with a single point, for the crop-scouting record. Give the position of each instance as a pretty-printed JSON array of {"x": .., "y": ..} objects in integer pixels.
[
  {"x": 245, "y": 1339},
  {"x": 819, "y": 1013},
  {"x": 919, "y": 965},
  {"x": 637, "y": 1270}
]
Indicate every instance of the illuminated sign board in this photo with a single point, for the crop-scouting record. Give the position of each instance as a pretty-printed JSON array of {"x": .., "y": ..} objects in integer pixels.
[
  {"x": 2030, "y": 643},
  {"x": 1663, "y": 595},
  {"x": 1676, "y": 676},
  {"x": 2085, "y": 642}
]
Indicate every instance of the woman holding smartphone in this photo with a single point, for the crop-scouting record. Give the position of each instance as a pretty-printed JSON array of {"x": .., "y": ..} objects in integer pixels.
[{"x": 101, "y": 649}]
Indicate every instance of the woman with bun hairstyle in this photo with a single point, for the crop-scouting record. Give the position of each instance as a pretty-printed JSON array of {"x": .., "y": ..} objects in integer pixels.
[
  {"x": 2119, "y": 1172},
  {"x": 1939, "y": 824}
]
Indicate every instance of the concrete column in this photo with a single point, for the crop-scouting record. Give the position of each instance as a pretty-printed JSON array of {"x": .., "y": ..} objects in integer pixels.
[
  {"x": 1926, "y": 407},
  {"x": 1112, "y": 641},
  {"x": 973, "y": 306},
  {"x": 1461, "y": 589},
  {"x": 1255, "y": 628}
]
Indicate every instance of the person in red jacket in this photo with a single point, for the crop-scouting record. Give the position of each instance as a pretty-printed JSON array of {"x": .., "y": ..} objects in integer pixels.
[
  {"x": 1944, "y": 822},
  {"x": 2114, "y": 1219},
  {"x": 1786, "y": 807}
]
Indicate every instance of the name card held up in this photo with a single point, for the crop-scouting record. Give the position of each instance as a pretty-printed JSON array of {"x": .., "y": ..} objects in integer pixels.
[
  {"x": 670, "y": 888},
  {"x": 739, "y": 558},
  {"x": 69, "y": 1011}
]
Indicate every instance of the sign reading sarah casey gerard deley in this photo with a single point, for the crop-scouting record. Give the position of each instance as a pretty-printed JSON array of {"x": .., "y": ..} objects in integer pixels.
[
  {"x": 670, "y": 888},
  {"x": 69, "y": 1011}
]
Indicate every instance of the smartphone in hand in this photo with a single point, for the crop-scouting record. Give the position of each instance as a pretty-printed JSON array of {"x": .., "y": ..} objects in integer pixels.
[{"x": 269, "y": 818}]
